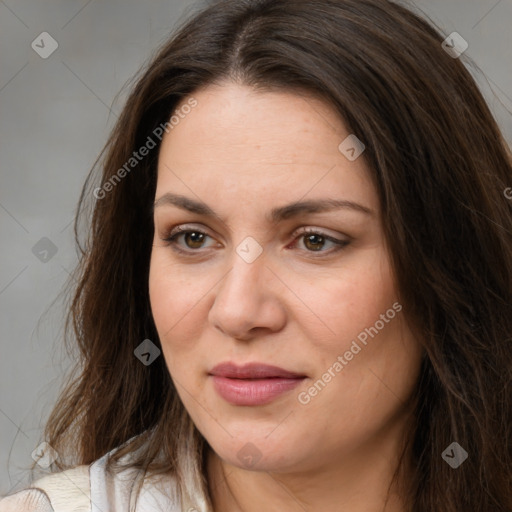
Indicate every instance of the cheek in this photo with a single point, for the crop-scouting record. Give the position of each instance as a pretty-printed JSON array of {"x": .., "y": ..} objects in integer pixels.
[
  {"x": 161, "y": 299},
  {"x": 179, "y": 308},
  {"x": 171, "y": 296},
  {"x": 349, "y": 302},
  {"x": 370, "y": 364}
]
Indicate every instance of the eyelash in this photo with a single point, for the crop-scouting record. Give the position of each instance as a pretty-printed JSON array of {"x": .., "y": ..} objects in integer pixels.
[{"x": 174, "y": 234}]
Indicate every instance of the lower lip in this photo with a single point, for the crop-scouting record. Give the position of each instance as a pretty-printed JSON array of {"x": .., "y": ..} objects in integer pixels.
[{"x": 253, "y": 392}]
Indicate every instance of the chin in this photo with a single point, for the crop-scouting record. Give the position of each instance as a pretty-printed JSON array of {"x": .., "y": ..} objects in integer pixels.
[{"x": 259, "y": 454}]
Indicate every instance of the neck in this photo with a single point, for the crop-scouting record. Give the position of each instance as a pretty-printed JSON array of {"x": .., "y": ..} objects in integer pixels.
[{"x": 359, "y": 480}]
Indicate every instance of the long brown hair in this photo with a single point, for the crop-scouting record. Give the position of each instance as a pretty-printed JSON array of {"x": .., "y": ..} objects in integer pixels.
[{"x": 440, "y": 166}]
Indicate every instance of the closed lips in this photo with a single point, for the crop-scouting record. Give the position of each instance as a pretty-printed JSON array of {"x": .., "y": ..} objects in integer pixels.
[
  {"x": 253, "y": 384},
  {"x": 253, "y": 371}
]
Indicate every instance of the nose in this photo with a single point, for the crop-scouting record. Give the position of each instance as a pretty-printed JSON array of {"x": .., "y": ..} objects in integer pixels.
[{"x": 248, "y": 300}]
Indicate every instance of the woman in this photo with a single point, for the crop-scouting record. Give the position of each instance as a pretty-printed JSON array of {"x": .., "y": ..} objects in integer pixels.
[{"x": 296, "y": 294}]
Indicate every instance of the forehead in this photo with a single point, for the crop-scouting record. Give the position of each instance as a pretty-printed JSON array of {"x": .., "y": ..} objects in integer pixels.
[
  {"x": 263, "y": 144},
  {"x": 239, "y": 120}
]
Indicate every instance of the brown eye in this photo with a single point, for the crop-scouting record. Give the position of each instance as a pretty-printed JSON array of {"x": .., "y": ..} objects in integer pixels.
[
  {"x": 193, "y": 238},
  {"x": 315, "y": 241}
]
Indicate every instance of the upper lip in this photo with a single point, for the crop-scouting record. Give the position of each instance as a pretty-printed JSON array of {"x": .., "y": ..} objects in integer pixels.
[{"x": 252, "y": 371}]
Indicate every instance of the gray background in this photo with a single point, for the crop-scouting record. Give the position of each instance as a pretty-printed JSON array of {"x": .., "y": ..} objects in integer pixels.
[{"x": 56, "y": 114}]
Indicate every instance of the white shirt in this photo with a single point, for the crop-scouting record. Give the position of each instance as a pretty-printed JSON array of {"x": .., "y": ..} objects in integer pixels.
[{"x": 88, "y": 488}]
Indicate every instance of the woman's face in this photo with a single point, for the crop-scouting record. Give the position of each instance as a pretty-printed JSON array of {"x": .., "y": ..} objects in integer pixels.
[{"x": 258, "y": 290}]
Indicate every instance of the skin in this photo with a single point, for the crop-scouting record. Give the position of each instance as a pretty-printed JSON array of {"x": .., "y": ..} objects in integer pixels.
[{"x": 243, "y": 153}]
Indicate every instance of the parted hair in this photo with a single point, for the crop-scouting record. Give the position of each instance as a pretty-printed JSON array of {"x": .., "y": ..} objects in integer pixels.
[{"x": 440, "y": 166}]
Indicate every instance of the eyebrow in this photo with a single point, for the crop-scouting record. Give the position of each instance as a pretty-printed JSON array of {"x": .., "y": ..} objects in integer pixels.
[{"x": 276, "y": 214}]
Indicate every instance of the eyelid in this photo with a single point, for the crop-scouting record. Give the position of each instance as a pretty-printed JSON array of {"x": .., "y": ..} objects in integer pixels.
[
  {"x": 308, "y": 229},
  {"x": 186, "y": 227},
  {"x": 321, "y": 231},
  {"x": 340, "y": 243},
  {"x": 176, "y": 231}
]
